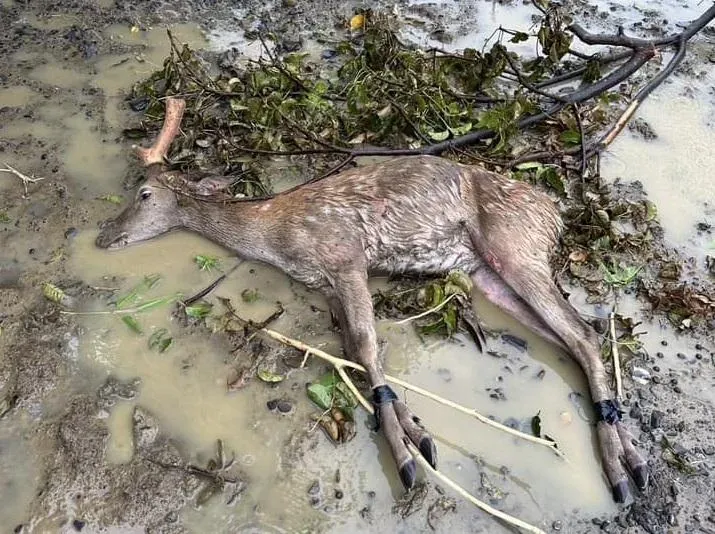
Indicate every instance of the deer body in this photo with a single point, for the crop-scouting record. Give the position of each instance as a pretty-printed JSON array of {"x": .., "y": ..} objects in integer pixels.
[
  {"x": 389, "y": 219},
  {"x": 415, "y": 214}
]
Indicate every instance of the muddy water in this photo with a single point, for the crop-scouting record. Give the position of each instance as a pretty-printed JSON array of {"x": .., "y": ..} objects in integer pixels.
[
  {"x": 186, "y": 389},
  {"x": 186, "y": 386},
  {"x": 674, "y": 167}
]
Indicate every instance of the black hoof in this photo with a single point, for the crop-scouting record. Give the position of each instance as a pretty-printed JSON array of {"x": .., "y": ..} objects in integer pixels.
[
  {"x": 620, "y": 492},
  {"x": 408, "y": 474},
  {"x": 429, "y": 451},
  {"x": 640, "y": 476}
]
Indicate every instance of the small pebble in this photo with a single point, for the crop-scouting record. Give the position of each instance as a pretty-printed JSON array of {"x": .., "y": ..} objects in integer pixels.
[
  {"x": 664, "y": 343},
  {"x": 556, "y": 525},
  {"x": 284, "y": 406},
  {"x": 272, "y": 404},
  {"x": 698, "y": 346},
  {"x": 656, "y": 368},
  {"x": 656, "y": 380},
  {"x": 681, "y": 355},
  {"x": 338, "y": 494},
  {"x": 314, "y": 488},
  {"x": 656, "y": 419},
  {"x": 660, "y": 355},
  {"x": 78, "y": 525},
  {"x": 698, "y": 356},
  {"x": 677, "y": 390}
]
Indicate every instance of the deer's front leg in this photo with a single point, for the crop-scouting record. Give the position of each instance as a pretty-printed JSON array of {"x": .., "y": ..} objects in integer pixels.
[{"x": 355, "y": 314}]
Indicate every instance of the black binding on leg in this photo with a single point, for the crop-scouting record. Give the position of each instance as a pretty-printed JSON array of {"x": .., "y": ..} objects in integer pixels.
[
  {"x": 381, "y": 395},
  {"x": 608, "y": 411}
]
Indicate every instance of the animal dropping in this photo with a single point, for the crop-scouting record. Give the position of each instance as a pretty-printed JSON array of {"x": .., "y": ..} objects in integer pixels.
[{"x": 419, "y": 214}]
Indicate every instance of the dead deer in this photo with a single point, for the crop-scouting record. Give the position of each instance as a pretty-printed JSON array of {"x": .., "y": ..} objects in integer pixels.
[{"x": 418, "y": 214}]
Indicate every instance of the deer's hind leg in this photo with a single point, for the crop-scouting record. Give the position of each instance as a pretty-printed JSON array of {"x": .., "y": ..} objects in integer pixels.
[
  {"x": 518, "y": 250},
  {"x": 498, "y": 292},
  {"x": 351, "y": 302}
]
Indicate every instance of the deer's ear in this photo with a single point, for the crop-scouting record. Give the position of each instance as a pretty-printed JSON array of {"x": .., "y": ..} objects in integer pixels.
[{"x": 212, "y": 186}]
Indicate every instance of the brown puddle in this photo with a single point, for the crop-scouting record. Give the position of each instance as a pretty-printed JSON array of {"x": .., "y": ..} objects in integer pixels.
[{"x": 186, "y": 389}]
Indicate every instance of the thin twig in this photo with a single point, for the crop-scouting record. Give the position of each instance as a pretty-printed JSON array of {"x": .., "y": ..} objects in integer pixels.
[
  {"x": 468, "y": 496},
  {"x": 340, "y": 365},
  {"x": 208, "y": 289},
  {"x": 25, "y": 179},
  {"x": 579, "y": 122},
  {"x": 616, "y": 355},
  {"x": 340, "y": 362},
  {"x": 427, "y": 312}
]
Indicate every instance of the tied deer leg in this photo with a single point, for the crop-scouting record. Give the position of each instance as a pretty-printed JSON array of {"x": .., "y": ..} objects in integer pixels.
[
  {"x": 543, "y": 296},
  {"x": 529, "y": 276},
  {"x": 396, "y": 420}
]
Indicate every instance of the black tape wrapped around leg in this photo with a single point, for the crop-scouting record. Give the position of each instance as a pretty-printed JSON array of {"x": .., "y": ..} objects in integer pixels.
[
  {"x": 381, "y": 395},
  {"x": 608, "y": 411}
]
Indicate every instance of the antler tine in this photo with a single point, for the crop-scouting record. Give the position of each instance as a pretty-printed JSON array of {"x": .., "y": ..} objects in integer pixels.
[{"x": 172, "y": 121}]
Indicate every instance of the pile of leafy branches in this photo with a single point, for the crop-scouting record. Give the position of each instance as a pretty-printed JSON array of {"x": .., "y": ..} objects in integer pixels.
[{"x": 372, "y": 90}]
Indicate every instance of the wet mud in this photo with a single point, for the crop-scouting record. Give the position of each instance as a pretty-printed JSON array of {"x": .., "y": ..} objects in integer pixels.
[{"x": 101, "y": 433}]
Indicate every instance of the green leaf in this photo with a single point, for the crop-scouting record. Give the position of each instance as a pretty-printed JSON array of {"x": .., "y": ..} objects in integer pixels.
[
  {"x": 4, "y": 217},
  {"x": 519, "y": 37},
  {"x": 449, "y": 317},
  {"x": 250, "y": 295},
  {"x": 321, "y": 395},
  {"x": 438, "y": 136},
  {"x": 529, "y": 165},
  {"x": 461, "y": 280},
  {"x": 133, "y": 295},
  {"x": 571, "y": 137},
  {"x": 199, "y": 310},
  {"x": 132, "y": 323},
  {"x": 160, "y": 340},
  {"x": 651, "y": 210},
  {"x": 52, "y": 292},
  {"x": 112, "y": 199},
  {"x": 155, "y": 303},
  {"x": 550, "y": 174},
  {"x": 268, "y": 376},
  {"x": 206, "y": 263}
]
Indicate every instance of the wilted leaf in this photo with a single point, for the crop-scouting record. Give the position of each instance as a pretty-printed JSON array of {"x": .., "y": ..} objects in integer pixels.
[
  {"x": 250, "y": 295},
  {"x": 357, "y": 22},
  {"x": 438, "y": 136},
  {"x": 529, "y": 165},
  {"x": 112, "y": 199},
  {"x": 160, "y": 340},
  {"x": 519, "y": 37},
  {"x": 268, "y": 376},
  {"x": 199, "y": 310},
  {"x": 578, "y": 256},
  {"x": 53, "y": 293}
]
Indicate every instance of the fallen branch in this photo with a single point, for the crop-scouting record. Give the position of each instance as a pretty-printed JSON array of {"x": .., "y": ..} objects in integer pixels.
[
  {"x": 208, "y": 289},
  {"x": 339, "y": 363},
  {"x": 616, "y": 355},
  {"x": 25, "y": 179},
  {"x": 468, "y": 496}
]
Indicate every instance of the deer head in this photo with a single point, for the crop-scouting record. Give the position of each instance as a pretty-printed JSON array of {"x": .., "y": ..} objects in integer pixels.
[{"x": 157, "y": 206}]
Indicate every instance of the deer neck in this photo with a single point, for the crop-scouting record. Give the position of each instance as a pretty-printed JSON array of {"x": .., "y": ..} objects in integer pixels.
[{"x": 242, "y": 227}]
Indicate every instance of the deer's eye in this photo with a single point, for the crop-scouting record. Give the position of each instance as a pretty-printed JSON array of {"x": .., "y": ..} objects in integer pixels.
[{"x": 144, "y": 194}]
